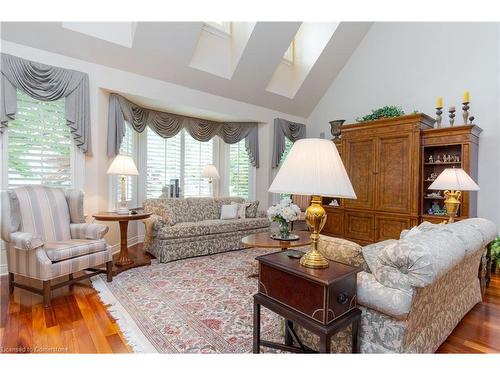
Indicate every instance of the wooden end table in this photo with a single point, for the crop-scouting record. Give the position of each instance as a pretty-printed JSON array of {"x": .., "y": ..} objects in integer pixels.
[
  {"x": 124, "y": 261},
  {"x": 323, "y": 301}
]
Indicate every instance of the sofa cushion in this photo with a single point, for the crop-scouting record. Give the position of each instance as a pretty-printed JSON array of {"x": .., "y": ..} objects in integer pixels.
[
  {"x": 229, "y": 211},
  {"x": 187, "y": 229},
  {"x": 393, "y": 302},
  {"x": 235, "y": 225},
  {"x": 62, "y": 250},
  {"x": 202, "y": 209},
  {"x": 371, "y": 252},
  {"x": 341, "y": 250},
  {"x": 252, "y": 209},
  {"x": 487, "y": 228}
]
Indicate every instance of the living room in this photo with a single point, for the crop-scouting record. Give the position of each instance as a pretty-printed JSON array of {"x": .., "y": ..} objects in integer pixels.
[{"x": 177, "y": 185}]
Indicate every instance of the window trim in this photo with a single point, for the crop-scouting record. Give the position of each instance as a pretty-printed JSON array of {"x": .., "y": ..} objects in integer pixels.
[{"x": 289, "y": 55}]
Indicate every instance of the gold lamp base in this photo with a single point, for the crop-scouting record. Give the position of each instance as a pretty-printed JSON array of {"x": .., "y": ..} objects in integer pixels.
[
  {"x": 452, "y": 203},
  {"x": 315, "y": 219}
]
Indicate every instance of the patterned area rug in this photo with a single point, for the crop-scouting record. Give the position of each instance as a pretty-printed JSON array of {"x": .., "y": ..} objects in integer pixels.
[{"x": 197, "y": 305}]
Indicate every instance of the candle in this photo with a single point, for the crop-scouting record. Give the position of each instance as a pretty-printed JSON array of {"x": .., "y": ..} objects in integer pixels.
[
  {"x": 466, "y": 97},
  {"x": 451, "y": 109},
  {"x": 439, "y": 102}
]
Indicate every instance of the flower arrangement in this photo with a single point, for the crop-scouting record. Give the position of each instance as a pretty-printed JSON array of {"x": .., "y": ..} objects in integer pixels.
[{"x": 283, "y": 213}]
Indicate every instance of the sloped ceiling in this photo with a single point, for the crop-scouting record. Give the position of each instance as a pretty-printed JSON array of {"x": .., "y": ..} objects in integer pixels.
[{"x": 163, "y": 50}]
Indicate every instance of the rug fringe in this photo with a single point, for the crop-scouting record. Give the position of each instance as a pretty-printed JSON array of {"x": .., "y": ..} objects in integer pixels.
[{"x": 134, "y": 336}]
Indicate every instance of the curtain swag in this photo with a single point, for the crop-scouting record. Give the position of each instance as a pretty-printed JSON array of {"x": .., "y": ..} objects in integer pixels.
[
  {"x": 167, "y": 125},
  {"x": 284, "y": 128},
  {"x": 45, "y": 82}
]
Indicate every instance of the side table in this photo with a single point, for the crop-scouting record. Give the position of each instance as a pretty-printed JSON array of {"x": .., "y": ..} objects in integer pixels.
[
  {"x": 124, "y": 261},
  {"x": 323, "y": 301}
]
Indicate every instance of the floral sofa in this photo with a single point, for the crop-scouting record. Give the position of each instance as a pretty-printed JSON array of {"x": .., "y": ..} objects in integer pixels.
[
  {"x": 415, "y": 290},
  {"x": 186, "y": 227}
]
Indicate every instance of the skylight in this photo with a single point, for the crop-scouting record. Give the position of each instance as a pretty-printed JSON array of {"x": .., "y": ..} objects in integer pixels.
[
  {"x": 289, "y": 55},
  {"x": 219, "y": 28},
  {"x": 121, "y": 33}
]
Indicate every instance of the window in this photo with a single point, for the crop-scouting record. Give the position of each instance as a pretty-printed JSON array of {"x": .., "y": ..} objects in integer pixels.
[
  {"x": 126, "y": 148},
  {"x": 180, "y": 157},
  {"x": 239, "y": 170},
  {"x": 289, "y": 55},
  {"x": 39, "y": 144},
  {"x": 288, "y": 147},
  {"x": 219, "y": 28}
]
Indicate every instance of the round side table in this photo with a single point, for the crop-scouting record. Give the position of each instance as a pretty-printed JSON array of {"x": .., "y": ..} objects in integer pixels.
[{"x": 124, "y": 261}]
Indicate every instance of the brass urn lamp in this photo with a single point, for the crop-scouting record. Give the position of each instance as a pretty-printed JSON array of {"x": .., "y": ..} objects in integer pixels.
[
  {"x": 453, "y": 181},
  {"x": 313, "y": 167}
]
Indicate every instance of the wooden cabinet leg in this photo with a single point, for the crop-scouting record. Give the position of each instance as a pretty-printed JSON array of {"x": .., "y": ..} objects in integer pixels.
[
  {"x": 288, "y": 336},
  {"x": 46, "y": 293},
  {"x": 355, "y": 342},
  {"x": 324, "y": 344},
  {"x": 11, "y": 283},
  {"x": 256, "y": 328},
  {"x": 109, "y": 271}
]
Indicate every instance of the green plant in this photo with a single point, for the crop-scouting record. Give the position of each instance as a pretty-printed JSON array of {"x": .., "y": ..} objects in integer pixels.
[
  {"x": 384, "y": 112},
  {"x": 495, "y": 249}
]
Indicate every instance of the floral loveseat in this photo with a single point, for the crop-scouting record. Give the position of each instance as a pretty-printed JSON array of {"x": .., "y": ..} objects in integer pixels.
[
  {"x": 186, "y": 227},
  {"x": 415, "y": 290}
]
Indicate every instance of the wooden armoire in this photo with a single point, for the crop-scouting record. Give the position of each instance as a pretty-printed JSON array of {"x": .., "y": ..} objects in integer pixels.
[{"x": 384, "y": 160}]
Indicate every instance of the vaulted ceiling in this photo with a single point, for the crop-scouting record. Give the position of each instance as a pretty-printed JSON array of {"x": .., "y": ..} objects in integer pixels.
[{"x": 167, "y": 51}]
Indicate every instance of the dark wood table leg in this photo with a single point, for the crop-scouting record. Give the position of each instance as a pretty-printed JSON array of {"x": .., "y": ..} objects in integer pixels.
[
  {"x": 256, "y": 327},
  {"x": 488, "y": 265},
  {"x": 355, "y": 341},
  {"x": 123, "y": 259},
  {"x": 288, "y": 336},
  {"x": 324, "y": 343}
]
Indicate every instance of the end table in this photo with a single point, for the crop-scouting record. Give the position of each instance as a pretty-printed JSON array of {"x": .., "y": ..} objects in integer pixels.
[{"x": 124, "y": 261}]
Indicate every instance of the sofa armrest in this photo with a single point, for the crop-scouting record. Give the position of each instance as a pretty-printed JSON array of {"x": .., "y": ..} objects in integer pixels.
[
  {"x": 25, "y": 241},
  {"x": 393, "y": 302},
  {"x": 86, "y": 231}
]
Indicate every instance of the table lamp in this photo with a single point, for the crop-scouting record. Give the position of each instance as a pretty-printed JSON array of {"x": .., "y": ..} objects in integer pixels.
[
  {"x": 209, "y": 171},
  {"x": 123, "y": 165},
  {"x": 313, "y": 167},
  {"x": 453, "y": 181}
]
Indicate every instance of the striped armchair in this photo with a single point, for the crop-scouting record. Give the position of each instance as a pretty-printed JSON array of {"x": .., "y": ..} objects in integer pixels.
[{"x": 47, "y": 238}]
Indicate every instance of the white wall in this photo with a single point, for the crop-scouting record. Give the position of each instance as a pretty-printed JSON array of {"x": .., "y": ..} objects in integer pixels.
[
  {"x": 104, "y": 79},
  {"x": 411, "y": 64}
]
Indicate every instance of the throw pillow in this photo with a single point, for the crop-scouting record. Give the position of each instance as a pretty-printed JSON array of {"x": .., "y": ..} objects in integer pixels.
[
  {"x": 229, "y": 211},
  {"x": 242, "y": 208},
  {"x": 371, "y": 252},
  {"x": 251, "y": 210},
  {"x": 343, "y": 251}
]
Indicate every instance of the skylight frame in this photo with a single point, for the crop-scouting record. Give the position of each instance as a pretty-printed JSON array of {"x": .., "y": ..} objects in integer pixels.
[
  {"x": 289, "y": 55},
  {"x": 221, "y": 29}
]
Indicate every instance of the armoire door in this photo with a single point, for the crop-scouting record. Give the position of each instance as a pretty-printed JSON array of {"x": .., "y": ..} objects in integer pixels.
[
  {"x": 360, "y": 166},
  {"x": 393, "y": 173}
]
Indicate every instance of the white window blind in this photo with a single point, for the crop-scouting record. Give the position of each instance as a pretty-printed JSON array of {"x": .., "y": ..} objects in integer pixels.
[
  {"x": 239, "y": 170},
  {"x": 179, "y": 157},
  {"x": 126, "y": 148},
  {"x": 39, "y": 144}
]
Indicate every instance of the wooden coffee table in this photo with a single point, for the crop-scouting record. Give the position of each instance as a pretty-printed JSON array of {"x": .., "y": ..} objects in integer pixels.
[
  {"x": 124, "y": 261},
  {"x": 264, "y": 240}
]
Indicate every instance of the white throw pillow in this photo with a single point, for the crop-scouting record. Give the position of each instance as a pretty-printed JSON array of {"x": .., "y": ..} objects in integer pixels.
[
  {"x": 242, "y": 209},
  {"x": 229, "y": 211}
]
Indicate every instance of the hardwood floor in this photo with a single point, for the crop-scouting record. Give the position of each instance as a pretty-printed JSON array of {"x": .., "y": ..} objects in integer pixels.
[{"x": 77, "y": 322}]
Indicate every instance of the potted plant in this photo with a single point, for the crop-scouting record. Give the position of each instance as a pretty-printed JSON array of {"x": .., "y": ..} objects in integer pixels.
[
  {"x": 384, "y": 112},
  {"x": 283, "y": 213},
  {"x": 495, "y": 254}
]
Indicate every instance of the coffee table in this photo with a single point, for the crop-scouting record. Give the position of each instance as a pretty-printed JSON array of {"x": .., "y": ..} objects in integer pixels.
[{"x": 264, "y": 240}]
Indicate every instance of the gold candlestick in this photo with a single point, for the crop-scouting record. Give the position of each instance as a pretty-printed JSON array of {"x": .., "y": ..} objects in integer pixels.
[
  {"x": 439, "y": 112},
  {"x": 465, "y": 114}
]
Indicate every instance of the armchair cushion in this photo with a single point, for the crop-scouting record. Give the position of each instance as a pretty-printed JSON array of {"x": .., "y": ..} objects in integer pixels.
[
  {"x": 86, "y": 231},
  {"x": 62, "y": 250},
  {"x": 25, "y": 241},
  {"x": 75, "y": 205}
]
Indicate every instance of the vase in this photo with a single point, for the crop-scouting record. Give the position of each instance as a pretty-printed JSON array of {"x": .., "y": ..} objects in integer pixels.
[
  {"x": 284, "y": 230},
  {"x": 335, "y": 128}
]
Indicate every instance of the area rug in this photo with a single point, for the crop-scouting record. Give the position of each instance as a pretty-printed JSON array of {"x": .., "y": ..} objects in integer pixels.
[{"x": 197, "y": 305}]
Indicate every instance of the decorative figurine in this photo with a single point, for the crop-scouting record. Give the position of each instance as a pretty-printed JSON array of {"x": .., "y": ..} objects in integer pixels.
[
  {"x": 431, "y": 159},
  {"x": 334, "y": 203},
  {"x": 451, "y": 115},
  {"x": 438, "y": 160},
  {"x": 335, "y": 128},
  {"x": 430, "y": 212},
  {"x": 435, "y": 207},
  {"x": 465, "y": 113}
]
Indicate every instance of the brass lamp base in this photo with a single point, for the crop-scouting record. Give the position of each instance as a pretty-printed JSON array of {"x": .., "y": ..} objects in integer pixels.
[
  {"x": 452, "y": 203},
  {"x": 315, "y": 219}
]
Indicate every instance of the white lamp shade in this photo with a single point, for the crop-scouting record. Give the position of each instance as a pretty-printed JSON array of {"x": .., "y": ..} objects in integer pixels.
[
  {"x": 123, "y": 165},
  {"x": 454, "y": 179},
  {"x": 209, "y": 171},
  {"x": 313, "y": 167}
]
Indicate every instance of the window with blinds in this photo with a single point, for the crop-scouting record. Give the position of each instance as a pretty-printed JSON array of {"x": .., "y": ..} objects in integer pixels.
[
  {"x": 239, "y": 170},
  {"x": 288, "y": 147},
  {"x": 126, "y": 148},
  {"x": 180, "y": 157},
  {"x": 39, "y": 144}
]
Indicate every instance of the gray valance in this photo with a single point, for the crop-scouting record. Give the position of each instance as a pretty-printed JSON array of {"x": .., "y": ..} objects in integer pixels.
[
  {"x": 45, "y": 82},
  {"x": 167, "y": 125},
  {"x": 284, "y": 128}
]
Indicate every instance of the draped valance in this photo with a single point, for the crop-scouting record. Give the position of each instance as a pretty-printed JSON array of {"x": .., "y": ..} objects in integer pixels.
[
  {"x": 284, "y": 128},
  {"x": 45, "y": 82},
  {"x": 167, "y": 125}
]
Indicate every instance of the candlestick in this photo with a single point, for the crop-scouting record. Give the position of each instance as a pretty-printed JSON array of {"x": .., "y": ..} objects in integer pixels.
[
  {"x": 471, "y": 119},
  {"x": 465, "y": 114},
  {"x": 438, "y": 116},
  {"x": 466, "y": 97},
  {"x": 451, "y": 115}
]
